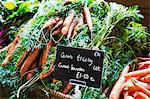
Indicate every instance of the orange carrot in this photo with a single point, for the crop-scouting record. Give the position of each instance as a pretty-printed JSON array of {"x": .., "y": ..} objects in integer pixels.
[
  {"x": 44, "y": 55},
  {"x": 6, "y": 48},
  {"x": 117, "y": 89},
  {"x": 143, "y": 59},
  {"x": 129, "y": 86},
  {"x": 140, "y": 95},
  {"x": 11, "y": 50},
  {"x": 68, "y": 88},
  {"x": 76, "y": 28},
  {"x": 13, "y": 45},
  {"x": 140, "y": 88},
  {"x": 31, "y": 74},
  {"x": 143, "y": 65},
  {"x": 29, "y": 61},
  {"x": 88, "y": 18},
  {"x": 73, "y": 24},
  {"x": 6, "y": 60},
  {"x": 59, "y": 23},
  {"x": 146, "y": 78},
  {"x": 22, "y": 58},
  {"x": 56, "y": 32},
  {"x": 67, "y": 22},
  {"x": 138, "y": 73},
  {"x": 49, "y": 73},
  {"x": 49, "y": 24}
]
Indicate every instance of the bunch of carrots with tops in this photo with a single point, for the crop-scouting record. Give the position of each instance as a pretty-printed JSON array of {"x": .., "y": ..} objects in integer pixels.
[
  {"x": 135, "y": 84},
  {"x": 37, "y": 57}
]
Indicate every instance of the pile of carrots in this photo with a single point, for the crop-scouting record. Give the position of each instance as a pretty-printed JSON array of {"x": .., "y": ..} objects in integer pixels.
[
  {"x": 36, "y": 57},
  {"x": 135, "y": 84}
]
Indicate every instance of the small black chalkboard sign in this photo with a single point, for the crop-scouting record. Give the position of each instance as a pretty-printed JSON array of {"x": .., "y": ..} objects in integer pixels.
[{"x": 79, "y": 66}]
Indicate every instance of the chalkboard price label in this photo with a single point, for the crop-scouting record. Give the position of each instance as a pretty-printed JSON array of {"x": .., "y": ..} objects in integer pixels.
[{"x": 79, "y": 66}]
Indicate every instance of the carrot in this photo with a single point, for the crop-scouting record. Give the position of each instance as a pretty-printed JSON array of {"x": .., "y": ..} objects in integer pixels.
[
  {"x": 129, "y": 86},
  {"x": 140, "y": 95},
  {"x": 67, "y": 22},
  {"x": 11, "y": 50},
  {"x": 68, "y": 88},
  {"x": 13, "y": 45},
  {"x": 144, "y": 65},
  {"x": 6, "y": 48},
  {"x": 59, "y": 23},
  {"x": 117, "y": 89},
  {"x": 22, "y": 58},
  {"x": 146, "y": 78},
  {"x": 88, "y": 18},
  {"x": 56, "y": 32},
  {"x": 44, "y": 55},
  {"x": 6, "y": 60},
  {"x": 76, "y": 28},
  {"x": 31, "y": 74},
  {"x": 138, "y": 73},
  {"x": 29, "y": 61},
  {"x": 49, "y": 73},
  {"x": 140, "y": 88},
  {"x": 73, "y": 24},
  {"x": 49, "y": 24},
  {"x": 127, "y": 96},
  {"x": 143, "y": 59}
]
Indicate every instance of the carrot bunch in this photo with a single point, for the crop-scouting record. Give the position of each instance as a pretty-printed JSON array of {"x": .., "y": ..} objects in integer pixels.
[
  {"x": 10, "y": 49},
  {"x": 56, "y": 27},
  {"x": 135, "y": 84}
]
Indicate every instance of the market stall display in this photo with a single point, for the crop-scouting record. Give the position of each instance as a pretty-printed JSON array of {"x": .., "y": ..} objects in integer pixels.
[{"x": 28, "y": 62}]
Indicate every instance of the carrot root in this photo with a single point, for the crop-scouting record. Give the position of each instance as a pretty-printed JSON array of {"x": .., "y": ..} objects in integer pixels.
[
  {"x": 29, "y": 61},
  {"x": 138, "y": 73},
  {"x": 117, "y": 89},
  {"x": 67, "y": 22},
  {"x": 140, "y": 88},
  {"x": 140, "y": 95},
  {"x": 71, "y": 28},
  {"x": 88, "y": 18}
]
